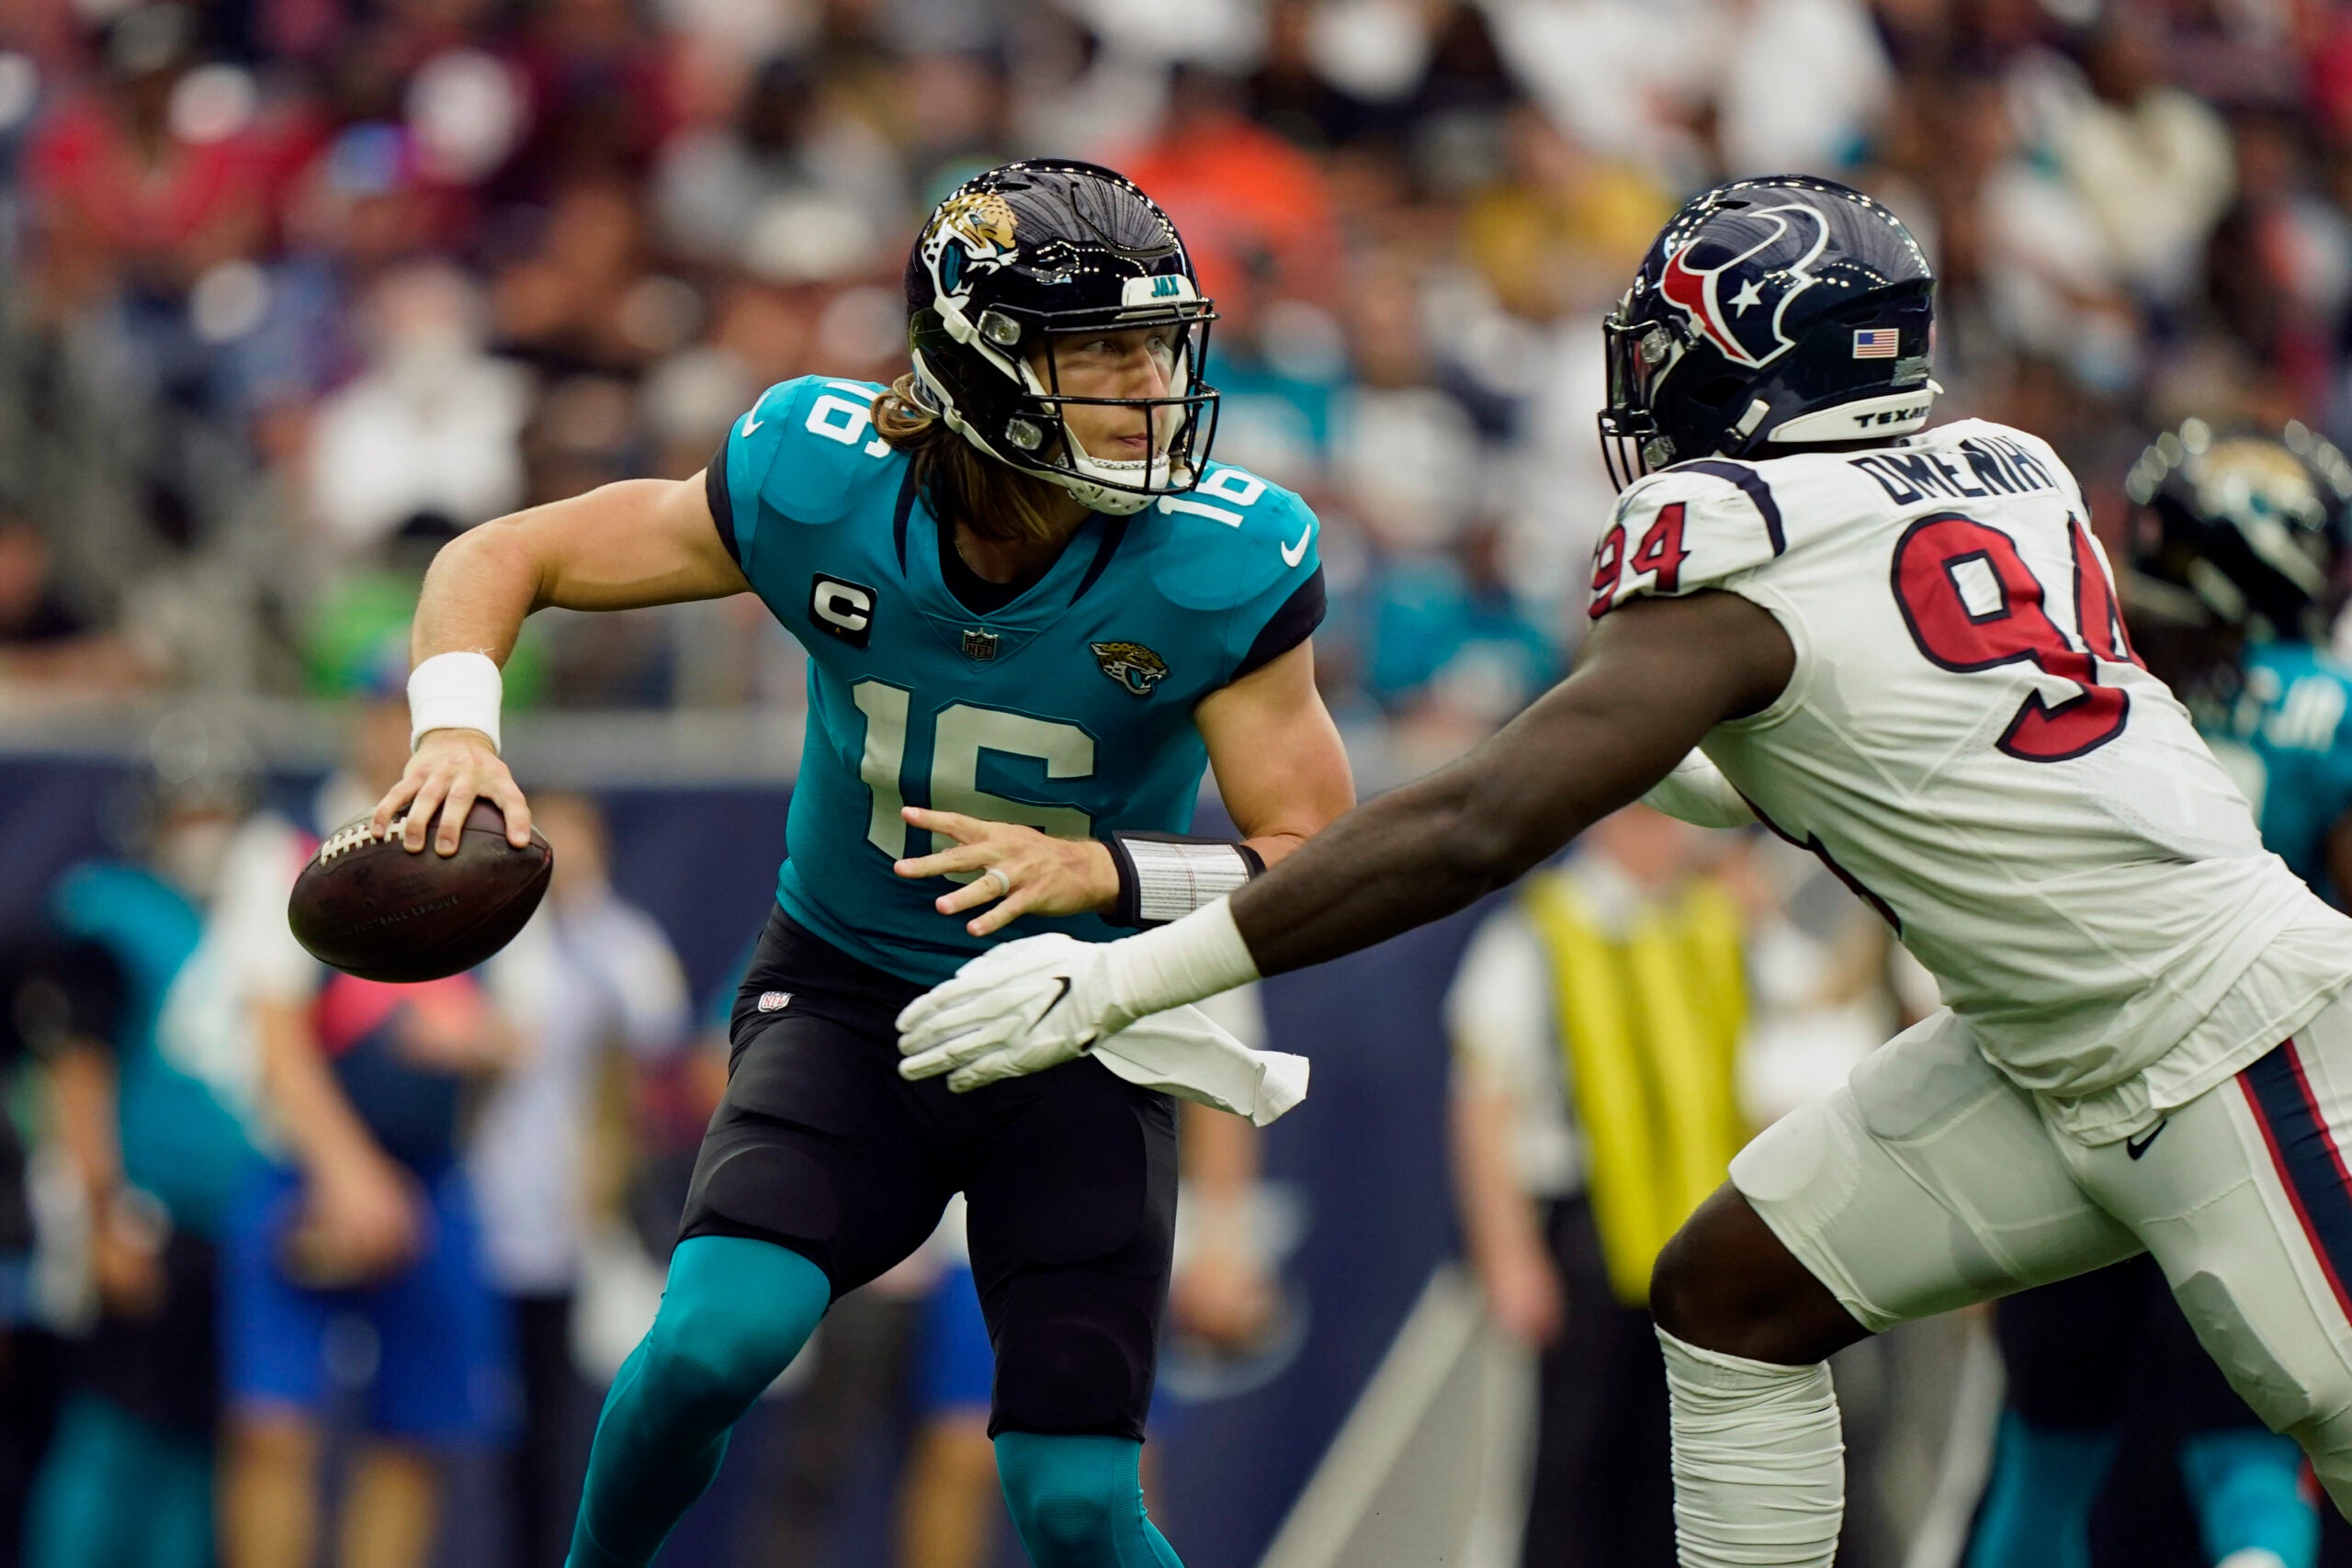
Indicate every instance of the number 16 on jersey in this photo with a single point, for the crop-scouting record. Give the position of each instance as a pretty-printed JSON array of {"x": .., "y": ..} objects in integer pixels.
[{"x": 960, "y": 733}]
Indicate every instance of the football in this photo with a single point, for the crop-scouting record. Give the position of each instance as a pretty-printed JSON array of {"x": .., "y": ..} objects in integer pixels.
[{"x": 365, "y": 906}]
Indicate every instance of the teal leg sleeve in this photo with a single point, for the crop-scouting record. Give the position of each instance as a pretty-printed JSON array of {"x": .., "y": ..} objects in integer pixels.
[
  {"x": 2246, "y": 1486},
  {"x": 734, "y": 1316},
  {"x": 1078, "y": 1502},
  {"x": 102, "y": 1455},
  {"x": 2037, "y": 1511},
  {"x": 69, "y": 1518},
  {"x": 180, "y": 1528}
]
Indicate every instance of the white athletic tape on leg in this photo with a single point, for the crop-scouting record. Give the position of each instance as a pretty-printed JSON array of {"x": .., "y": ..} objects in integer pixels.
[{"x": 1760, "y": 1472}]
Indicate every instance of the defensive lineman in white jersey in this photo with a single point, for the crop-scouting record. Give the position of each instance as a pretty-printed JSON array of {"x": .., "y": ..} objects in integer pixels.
[{"x": 1898, "y": 647}]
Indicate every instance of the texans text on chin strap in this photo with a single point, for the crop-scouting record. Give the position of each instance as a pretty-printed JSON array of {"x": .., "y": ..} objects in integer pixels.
[{"x": 1034, "y": 1004}]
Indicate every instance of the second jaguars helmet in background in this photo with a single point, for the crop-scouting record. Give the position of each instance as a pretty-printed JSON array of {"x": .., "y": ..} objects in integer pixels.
[
  {"x": 2240, "y": 532},
  {"x": 1785, "y": 310},
  {"x": 1020, "y": 258}
]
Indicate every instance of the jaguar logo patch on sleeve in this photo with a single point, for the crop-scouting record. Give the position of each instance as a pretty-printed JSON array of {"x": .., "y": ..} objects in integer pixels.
[{"x": 1131, "y": 664}]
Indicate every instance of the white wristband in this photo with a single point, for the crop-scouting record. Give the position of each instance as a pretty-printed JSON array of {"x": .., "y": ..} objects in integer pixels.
[
  {"x": 1181, "y": 962},
  {"x": 454, "y": 691}
]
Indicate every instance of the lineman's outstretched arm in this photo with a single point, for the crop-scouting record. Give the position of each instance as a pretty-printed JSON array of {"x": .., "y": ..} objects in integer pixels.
[
  {"x": 620, "y": 547},
  {"x": 1655, "y": 676}
]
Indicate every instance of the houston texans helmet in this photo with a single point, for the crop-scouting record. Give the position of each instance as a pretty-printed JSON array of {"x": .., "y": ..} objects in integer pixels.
[
  {"x": 1017, "y": 259},
  {"x": 1780, "y": 311},
  {"x": 2240, "y": 532}
]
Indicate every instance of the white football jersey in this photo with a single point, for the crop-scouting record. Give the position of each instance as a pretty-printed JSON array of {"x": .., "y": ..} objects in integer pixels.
[{"x": 1969, "y": 744}]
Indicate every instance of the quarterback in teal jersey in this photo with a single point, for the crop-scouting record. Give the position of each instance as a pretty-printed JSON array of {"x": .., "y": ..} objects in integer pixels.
[
  {"x": 1068, "y": 707},
  {"x": 1035, "y": 612}
]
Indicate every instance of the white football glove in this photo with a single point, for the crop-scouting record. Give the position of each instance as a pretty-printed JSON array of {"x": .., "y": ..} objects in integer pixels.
[{"x": 1015, "y": 1009}]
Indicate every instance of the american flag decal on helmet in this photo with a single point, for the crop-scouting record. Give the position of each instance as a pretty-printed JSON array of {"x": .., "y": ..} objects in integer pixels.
[{"x": 1874, "y": 343}]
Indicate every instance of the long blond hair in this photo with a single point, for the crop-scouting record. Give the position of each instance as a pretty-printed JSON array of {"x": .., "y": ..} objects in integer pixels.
[{"x": 963, "y": 483}]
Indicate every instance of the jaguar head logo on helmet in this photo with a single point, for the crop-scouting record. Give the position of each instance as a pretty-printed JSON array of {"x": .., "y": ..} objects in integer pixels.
[
  {"x": 1780, "y": 311},
  {"x": 1016, "y": 273},
  {"x": 2237, "y": 536}
]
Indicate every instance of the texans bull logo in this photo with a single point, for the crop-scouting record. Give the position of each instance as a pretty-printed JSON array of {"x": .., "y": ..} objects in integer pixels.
[{"x": 1744, "y": 322}]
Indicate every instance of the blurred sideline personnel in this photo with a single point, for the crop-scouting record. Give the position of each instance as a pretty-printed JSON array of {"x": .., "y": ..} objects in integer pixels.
[
  {"x": 1901, "y": 646},
  {"x": 1035, "y": 611},
  {"x": 951, "y": 1509},
  {"x": 590, "y": 972},
  {"x": 29, "y": 1354},
  {"x": 364, "y": 1213},
  {"x": 1596, "y": 1024},
  {"x": 2234, "y": 578},
  {"x": 129, "y": 1480}
]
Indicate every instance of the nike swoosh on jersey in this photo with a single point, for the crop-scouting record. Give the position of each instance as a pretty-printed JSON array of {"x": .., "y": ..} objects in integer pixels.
[
  {"x": 2137, "y": 1146},
  {"x": 1293, "y": 554},
  {"x": 752, "y": 420}
]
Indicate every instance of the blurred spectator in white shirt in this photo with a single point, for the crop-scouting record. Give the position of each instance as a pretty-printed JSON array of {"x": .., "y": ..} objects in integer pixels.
[
  {"x": 434, "y": 423},
  {"x": 1797, "y": 85},
  {"x": 1788, "y": 86},
  {"x": 2151, "y": 162}
]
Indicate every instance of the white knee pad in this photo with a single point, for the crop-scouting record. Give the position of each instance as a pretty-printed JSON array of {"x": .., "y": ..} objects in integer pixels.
[{"x": 1760, "y": 1471}]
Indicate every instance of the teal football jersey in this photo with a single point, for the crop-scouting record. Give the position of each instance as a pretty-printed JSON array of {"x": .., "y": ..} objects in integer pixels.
[
  {"x": 2285, "y": 743},
  {"x": 1070, "y": 708},
  {"x": 179, "y": 1144}
]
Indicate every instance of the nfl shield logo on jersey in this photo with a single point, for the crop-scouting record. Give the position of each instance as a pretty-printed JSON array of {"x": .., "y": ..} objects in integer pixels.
[
  {"x": 775, "y": 1002},
  {"x": 980, "y": 646}
]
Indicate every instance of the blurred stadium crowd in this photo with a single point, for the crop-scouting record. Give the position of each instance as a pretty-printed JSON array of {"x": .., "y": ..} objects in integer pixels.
[{"x": 290, "y": 290}]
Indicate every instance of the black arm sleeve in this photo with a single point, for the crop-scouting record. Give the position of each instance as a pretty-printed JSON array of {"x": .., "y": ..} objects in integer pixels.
[
  {"x": 1289, "y": 626},
  {"x": 722, "y": 507}
]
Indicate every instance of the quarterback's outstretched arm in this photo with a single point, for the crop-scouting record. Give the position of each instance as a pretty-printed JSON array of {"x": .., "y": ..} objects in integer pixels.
[
  {"x": 620, "y": 547},
  {"x": 1655, "y": 676}
]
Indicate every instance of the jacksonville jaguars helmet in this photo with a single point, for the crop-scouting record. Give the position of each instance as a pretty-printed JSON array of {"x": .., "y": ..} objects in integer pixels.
[
  {"x": 1022, "y": 256},
  {"x": 2240, "y": 532},
  {"x": 1786, "y": 311}
]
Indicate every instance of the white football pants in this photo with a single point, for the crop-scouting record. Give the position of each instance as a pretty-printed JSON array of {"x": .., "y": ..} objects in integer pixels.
[{"x": 1930, "y": 1182}]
